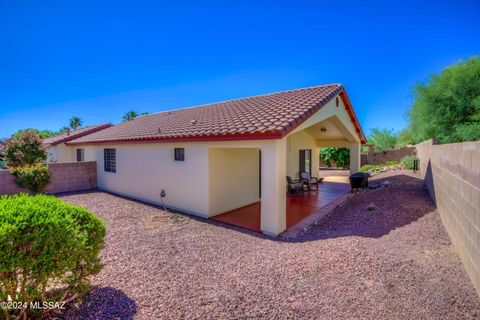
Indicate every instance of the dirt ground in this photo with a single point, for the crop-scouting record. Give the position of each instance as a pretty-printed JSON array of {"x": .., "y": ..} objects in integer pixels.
[{"x": 383, "y": 254}]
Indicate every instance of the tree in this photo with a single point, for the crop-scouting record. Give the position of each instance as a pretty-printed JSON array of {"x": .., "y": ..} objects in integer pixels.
[
  {"x": 447, "y": 106},
  {"x": 405, "y": 137},
  {"x": 130, "y": 115},
  {"x": 24, "y": 149},
  {"x": 41, "y": 133},
  {"x": 341, "y": 156},
  {"x": 382, "y": 138},
  {"x": 75, "y": 122},
  {"x": 24, "y": 155}
]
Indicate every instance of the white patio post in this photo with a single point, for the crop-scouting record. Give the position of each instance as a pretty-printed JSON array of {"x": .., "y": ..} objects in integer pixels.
[
  {"x": 273, "y": 202},
  {"x": 354, "y": 157}
]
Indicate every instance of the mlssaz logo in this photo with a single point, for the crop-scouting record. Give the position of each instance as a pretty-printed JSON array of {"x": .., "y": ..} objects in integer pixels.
[{"x": 47, "y": 305}]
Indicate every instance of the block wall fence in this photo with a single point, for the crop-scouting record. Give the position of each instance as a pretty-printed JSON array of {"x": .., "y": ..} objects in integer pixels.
[
  {"x": 65, "y": 177},
  {"x": 379, "y": 157},
  {"x": 452, "y": 176}
]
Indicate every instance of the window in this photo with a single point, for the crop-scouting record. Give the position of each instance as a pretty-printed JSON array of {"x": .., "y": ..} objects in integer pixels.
[
  {"x": 80, "y": 155},
  {"x": 109, "y": 160},
  {"x": 179, "y": 154}
]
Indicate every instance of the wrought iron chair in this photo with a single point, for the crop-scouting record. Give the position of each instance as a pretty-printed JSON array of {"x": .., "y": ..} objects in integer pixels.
[
  {"x": 310, "y": 182},
  {"x": 294, "y": 186}
]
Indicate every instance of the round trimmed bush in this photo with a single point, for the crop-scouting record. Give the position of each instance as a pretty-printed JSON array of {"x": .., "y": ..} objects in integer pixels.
[{"x": 48, "y": 248}]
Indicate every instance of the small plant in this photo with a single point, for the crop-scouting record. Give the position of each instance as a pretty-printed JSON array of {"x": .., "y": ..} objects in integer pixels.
[
  {"x": 48, "y": 250},
  {"x": 407, "y": 162},
  {"x": 34, "y": 177}
]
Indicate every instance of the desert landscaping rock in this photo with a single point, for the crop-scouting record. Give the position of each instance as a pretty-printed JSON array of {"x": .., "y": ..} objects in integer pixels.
[{"x": 395, "y": 262}]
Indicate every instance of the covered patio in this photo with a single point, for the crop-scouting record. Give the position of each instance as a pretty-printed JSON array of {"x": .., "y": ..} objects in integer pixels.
[
  {"x": 298, "y": 207},
  {"x": 248, "y": 179}
]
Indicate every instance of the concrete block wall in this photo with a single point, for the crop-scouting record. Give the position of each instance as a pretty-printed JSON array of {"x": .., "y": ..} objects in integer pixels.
[
  {"x": 65, "y": 177},
  {"x": 379, "y": 157},
  {"x": 452, "y": 176}
]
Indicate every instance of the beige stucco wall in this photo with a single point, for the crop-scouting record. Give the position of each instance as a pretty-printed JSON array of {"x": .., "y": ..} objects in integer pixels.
[
  {"x": 295, "y": 143},
  {"x": 61, "y": 153},
  {"x": 452, "y": 176},
  {"x": 233, "y": 178},
  {"x": 143, "y": 170}
]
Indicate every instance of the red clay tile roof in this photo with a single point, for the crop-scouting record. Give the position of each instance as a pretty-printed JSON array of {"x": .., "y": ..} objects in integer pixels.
[
  {"x": 269, "y": 116},
  {"x": 74, "y": 134}
]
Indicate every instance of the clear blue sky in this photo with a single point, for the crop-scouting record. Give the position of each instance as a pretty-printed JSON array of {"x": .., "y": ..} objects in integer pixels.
[{"x": 98, "y": 59}]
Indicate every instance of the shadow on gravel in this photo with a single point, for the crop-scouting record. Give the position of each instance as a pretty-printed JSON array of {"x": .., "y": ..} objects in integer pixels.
[
  {"x": 375, "y": 213},
  {"x": 103, "y": 303}
]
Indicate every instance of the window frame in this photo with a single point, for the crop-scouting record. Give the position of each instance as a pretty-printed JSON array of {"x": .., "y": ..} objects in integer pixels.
[
  {"x": 179, "y": 154},
  {"x": 110, "y": 160},
  {"x": 81, "y": 154}
]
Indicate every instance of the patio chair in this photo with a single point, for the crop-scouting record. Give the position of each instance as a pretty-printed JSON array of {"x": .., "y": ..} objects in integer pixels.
[
  {"x": 294, "y": 186},
  {"x": 310, "y": 182}
]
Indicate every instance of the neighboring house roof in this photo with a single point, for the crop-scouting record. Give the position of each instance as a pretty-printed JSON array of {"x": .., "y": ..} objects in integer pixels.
[
  {"x": 270, "y": 116},
  {"x": 74, "y": 134}
]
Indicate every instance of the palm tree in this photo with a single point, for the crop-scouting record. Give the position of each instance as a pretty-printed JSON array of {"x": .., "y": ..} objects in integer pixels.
[
  {"x": 130, "y": 115},
  {"x": 75, "y": 122}
]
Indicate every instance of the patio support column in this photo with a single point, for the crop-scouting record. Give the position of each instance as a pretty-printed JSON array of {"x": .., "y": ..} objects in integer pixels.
[
  {"x": 273, "y": 202},
  {"x": 354, "y": 157}
]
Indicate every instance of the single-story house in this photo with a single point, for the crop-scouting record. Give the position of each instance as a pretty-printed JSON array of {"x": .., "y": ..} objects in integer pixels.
[
  {"x": 210, "y": 159},
  {"x": 58, "y": 151}
]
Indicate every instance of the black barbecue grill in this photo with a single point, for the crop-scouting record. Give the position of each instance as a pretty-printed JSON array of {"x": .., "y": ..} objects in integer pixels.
[{"x": 359, "y": 180}]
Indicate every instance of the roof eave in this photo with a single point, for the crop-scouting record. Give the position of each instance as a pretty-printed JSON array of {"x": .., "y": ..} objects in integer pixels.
[
  {"x": 206, "y": 138},
  {"x": 73, "y": 137}
]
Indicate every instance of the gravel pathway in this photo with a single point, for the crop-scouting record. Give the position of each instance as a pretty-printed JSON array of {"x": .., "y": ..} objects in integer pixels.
[{"x": 383, "y": 254}]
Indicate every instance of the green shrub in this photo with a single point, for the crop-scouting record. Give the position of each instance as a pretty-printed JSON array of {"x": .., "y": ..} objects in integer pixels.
[
  {"x": 407, "y": 162},
  {"x": 3, "y": 164},
  {"x": 341, "y": 156},
  {"x": 33, "y": 177},
  {"x": 48, "y": 249}
]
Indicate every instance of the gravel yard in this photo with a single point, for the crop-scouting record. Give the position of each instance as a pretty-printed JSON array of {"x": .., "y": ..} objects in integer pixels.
[{"x": 383, "y": 254}]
